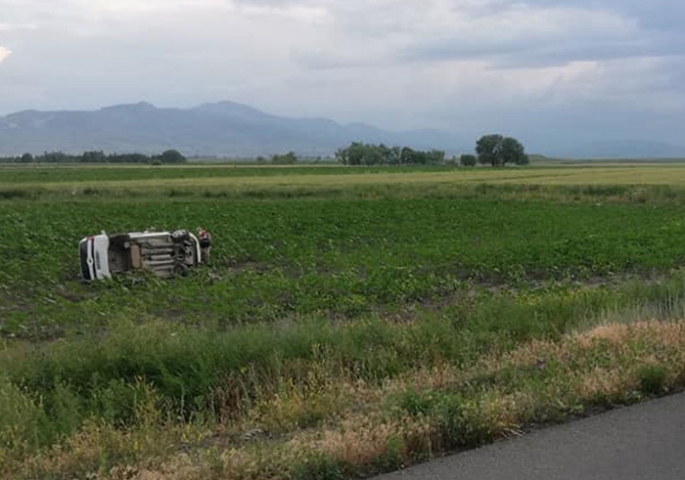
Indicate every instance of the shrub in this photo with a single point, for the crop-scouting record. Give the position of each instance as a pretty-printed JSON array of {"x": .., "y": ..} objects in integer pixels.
[{"x": 652, "y": 379}]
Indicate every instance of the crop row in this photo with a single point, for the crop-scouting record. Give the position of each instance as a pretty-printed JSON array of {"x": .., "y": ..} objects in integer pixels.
[
  {"x": 337, "y": 257},
  {"x": 18, "y": 175}
]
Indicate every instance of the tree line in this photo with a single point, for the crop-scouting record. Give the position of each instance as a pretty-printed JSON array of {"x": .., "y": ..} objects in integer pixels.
[
  {"x": 495, "y": 150},
  {"x": 359, "y": 153},
  {"x": 289, "y": 158},
  {"x": 99, "y": 157}
]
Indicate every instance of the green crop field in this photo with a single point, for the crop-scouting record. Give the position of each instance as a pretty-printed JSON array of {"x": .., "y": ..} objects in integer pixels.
[
  {"x": 207, "y": 177},
  {"x": 352, "y": 321}
]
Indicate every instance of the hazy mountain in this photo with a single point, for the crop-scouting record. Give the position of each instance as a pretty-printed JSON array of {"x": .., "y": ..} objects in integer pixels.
[
  {"x": 235, "y": 130},
  {"x": 610, "y": 148},
  {"x": 629, "y": 149},
  {"x": 222, "y": 129}
]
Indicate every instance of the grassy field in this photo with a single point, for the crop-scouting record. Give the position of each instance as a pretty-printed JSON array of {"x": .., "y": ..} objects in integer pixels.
[
  {"x": 352, "y": 321},
  {"x": 70, "y": 177}
]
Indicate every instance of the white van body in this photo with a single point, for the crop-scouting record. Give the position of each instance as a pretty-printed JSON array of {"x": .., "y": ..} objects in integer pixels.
[{"x": 163, "y": 253}]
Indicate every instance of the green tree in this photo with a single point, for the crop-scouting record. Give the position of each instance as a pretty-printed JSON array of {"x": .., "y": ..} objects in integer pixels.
[
  {"x": 172, "y": 156},
  {"x": 27, "y": 158},
  {"x": 93, "y": 157},
  {"x": 342, "y": 156},
  {"x": 395, "y": 155},
  {"x": 513, "y": 152},
  {"x": 435, "y": 157},
  {"x": 468, "y": 160},
  {"x": 407, "y": 156},
  {"x": 55, "y": 157},
  {"x": 288, "y": 159},
  {"x": 498, "y": 150},
  {"x": 359, "y": 153},
  {"x": 489, "y": 150}
]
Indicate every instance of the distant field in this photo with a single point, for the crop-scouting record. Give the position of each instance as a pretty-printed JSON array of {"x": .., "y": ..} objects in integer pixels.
[
  {"x": 142, "y": 178},
  {"x": 64, "y": 173},
  {"x": 353, "y": 321}
]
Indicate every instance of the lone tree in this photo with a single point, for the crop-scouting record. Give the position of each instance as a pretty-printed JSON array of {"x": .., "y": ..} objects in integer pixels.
[
  {"x": 172, "y": 156},
  {"x": 498, "y": 150}
]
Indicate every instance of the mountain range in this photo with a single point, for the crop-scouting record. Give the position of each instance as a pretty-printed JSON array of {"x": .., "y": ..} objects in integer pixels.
[
  {"x": 225, "y": 129},
  {"x": 228, "y": 129}
]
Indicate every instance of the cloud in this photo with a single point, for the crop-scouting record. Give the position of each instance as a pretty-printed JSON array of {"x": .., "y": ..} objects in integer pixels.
[
  {"x": 462, "y": 65},
  {"x": 505, "y": 34},
  {"x": 299, "y": 13},
  {"x": 654, "y": 14},
  {"x": 9, "y": 27},
  {"x": 554, "y": 35},
  {"x": 4, "y": 53}
]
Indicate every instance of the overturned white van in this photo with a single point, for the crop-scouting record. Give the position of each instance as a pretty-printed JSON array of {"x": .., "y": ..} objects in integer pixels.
[{"x": 163, "y": 253}]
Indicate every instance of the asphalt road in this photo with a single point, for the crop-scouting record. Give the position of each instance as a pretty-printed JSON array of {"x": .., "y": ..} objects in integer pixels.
[{"x": 645, "y": 442}]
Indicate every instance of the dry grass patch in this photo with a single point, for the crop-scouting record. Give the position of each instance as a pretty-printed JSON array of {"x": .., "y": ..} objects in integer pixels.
[{"x": 363, "y": 429}]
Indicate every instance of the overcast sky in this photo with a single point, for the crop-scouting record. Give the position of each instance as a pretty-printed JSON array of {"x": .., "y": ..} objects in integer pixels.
[{"x": 570, "y": 69}]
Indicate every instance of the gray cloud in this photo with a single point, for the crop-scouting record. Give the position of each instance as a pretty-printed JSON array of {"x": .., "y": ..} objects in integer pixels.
[
  {"x": 511, "y": 36},
  {"x": 557, "y": 66},
  {"x": 653, "y": 14},
  {"x": 532, "y": 53}
]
